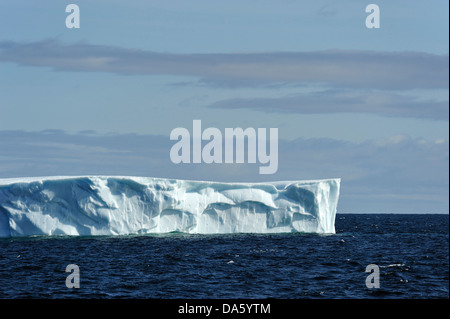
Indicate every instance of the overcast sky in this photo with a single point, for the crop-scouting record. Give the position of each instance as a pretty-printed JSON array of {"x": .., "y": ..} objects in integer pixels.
[{"x": 367, "y": 105}]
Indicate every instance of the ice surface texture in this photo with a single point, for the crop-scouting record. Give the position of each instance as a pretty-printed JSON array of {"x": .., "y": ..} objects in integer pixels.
[{"x": 103, "y": 205}]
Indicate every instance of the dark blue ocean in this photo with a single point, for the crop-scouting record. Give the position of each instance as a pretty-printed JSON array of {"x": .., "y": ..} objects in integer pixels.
[{"x": 410, "y": 251}]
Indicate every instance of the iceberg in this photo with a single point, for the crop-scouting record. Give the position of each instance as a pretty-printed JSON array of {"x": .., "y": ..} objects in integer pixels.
[{"x": 122, "y": 205}]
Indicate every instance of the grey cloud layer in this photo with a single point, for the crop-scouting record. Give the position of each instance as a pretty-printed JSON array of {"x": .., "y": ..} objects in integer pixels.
[
  {"x": 344, "y": 101},
  {"x": 351, "y": 69},
  {"x": 396, "y": 174}
]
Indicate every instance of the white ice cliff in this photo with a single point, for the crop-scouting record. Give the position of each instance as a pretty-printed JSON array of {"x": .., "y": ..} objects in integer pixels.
[{"x": 103, "y": 205}]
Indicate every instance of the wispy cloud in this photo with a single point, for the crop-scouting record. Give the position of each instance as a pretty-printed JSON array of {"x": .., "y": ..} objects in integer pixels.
[
  {"x": 327, "y": 10},
  {"x": 349, "y": 69},
  {"x": 345, "y": 101}
]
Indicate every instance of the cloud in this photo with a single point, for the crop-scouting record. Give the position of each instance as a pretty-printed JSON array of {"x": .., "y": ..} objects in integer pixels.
[
  {"x": 327, "y": 10},
  {"x": 54, "y": 152},
  {"x": 344, "y": 101},
  {"x": 397, "y": 174},
  {"x": 334, "y": 68}
]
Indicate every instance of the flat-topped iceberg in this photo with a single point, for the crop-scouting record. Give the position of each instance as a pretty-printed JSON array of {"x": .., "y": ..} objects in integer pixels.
[{"x": 113, "y": 205}]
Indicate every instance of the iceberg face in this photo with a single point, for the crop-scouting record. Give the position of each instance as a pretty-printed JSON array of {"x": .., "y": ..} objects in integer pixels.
[{"x": 102, "y": 205}]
